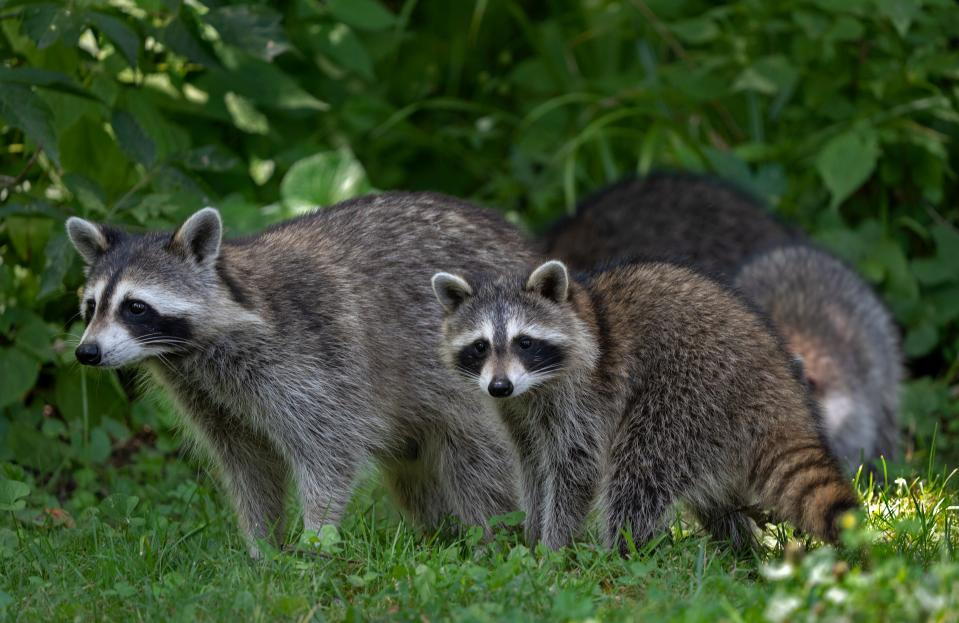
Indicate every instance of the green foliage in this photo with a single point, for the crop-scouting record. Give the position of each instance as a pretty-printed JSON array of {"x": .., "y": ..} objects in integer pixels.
[{"x": 842, "y": 115}]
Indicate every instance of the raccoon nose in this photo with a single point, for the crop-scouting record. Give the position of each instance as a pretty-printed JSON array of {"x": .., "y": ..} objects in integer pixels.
[
  {"x": 500, "y": 388},
  {"x": 88, "y": 354}
]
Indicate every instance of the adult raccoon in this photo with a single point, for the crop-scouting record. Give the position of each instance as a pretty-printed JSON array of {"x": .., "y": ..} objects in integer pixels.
[{"x": 309, "y": 349}]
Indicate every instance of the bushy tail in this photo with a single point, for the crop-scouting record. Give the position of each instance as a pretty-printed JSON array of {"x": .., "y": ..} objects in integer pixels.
[{"x": 800, "y": 481}]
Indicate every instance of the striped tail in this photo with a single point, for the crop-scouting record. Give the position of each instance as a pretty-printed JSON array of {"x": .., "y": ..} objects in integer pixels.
[{"x": 800, "y": 481}]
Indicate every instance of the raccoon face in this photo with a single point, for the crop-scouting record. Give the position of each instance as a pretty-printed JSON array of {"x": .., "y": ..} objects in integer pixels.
[
  {"x": 145, "y": 295},
  {"x": 507, "y": 336}
]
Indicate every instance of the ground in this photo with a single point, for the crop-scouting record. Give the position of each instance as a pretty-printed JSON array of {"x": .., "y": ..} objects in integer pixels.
[{"x": 163, "y": 545}]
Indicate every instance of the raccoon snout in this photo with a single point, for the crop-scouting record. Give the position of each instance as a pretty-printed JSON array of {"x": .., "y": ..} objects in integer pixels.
[
  {"x": 88, "y": 354},
  {"x": 500, "y": 387}
]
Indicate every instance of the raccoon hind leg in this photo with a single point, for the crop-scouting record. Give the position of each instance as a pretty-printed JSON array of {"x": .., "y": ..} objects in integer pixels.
[
  {"x": 637, "y": 493},
  {"x": 728, "y": 523},
  {"x": 414, "y": 483}
]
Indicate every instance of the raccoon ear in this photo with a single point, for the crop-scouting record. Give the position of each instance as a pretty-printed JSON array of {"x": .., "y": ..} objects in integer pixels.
[
  {"x": 451, "y": 290},
  {"x": 200, "y": 235},
  {"x": 87, "y": 238},
  {"x": 550, "y": 280}
]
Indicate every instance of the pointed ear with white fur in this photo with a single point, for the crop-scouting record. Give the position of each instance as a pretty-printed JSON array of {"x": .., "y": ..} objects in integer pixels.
[
  {"x": 451, "y": 291},
  {"x": 550, "y": 280},
  {"x": 199, "y": 237},
  {"x": 87, "y": 238}
]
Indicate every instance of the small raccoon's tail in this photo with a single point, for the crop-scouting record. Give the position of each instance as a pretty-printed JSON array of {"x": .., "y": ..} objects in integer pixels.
[{"x": 800, "y": 481}]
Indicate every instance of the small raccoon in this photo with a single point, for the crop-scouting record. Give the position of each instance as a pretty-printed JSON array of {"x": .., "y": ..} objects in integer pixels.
[
  {"x": 642, "y": 385},
  {"x": 828, "y": 316},
  {"x": 309, "y": 349}
]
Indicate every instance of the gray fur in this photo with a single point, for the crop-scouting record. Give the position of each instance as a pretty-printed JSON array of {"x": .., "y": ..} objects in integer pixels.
[
  {"x": 828, "y": 316},
  {"x": 646, "y": 384},
  {"x": 310, "y": 349},
  {"x": 847, "y": 341}
]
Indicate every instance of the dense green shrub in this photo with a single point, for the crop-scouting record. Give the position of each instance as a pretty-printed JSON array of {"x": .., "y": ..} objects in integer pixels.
[{"x": 842, "y": 114}]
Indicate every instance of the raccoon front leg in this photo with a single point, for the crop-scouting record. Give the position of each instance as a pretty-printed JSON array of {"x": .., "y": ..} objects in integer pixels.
[
  {"x": 572, "y": 468},
  {"x": 477, "y": 471},
  {"x": 253, "y": 471},
  {"x": 529, "y": 449},
  {"x": 325, "y": 472}
]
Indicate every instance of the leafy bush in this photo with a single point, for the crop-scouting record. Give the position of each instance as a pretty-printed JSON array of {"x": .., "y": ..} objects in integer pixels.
[{"x": 843, "y": 115}]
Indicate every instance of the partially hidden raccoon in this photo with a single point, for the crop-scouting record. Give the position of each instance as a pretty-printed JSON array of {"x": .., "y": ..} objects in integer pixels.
[
  {"x": 307, "y": 350},
  {"x": 639, "y": 386},
  {"x": 827, "y": 315}
]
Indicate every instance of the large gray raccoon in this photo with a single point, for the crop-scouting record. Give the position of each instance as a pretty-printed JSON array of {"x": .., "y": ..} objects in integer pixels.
[
  {"x": 641, "y": 385},
  {"x": 828, "y": 316},
  {"x": 309, "y": 349}
]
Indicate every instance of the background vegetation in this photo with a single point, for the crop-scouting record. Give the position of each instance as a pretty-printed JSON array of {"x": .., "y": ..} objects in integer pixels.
[{"x": 843, "y": 115}]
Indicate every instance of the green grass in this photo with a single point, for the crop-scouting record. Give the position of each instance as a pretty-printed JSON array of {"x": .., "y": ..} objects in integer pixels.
[{"x": 162, "y": 544}]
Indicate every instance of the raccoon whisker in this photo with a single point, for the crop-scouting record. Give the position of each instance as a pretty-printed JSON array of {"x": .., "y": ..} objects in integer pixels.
[
  {"x": 467, "y": 373},
  {"x": 168, "y": 341},
  {"x": 545, "y": 371}
]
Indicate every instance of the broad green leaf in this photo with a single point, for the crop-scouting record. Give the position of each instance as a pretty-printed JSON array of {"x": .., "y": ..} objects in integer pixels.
[
  {"x": 245, "y": 115},
  {"x": 900, "y": 12},
  {"x": 696, "y": 31},
  {"x": 12, "y": 493},
  {"x": 24, "y": 110},
  {"x": 342, "y": 45},
  {"x": 58, "y": 258},
  {"x": 323, "y": 179},
  {"x": 698, "y": 84},
  {"x": 845, "y": 28},
  {"x": 99, "y": 448},
  {"x": 33, "y": 336},
  {"x": 210, "y": 158},
  {"x": 181, "y": 36},
  {"x": 44, "y": 78},
  {"x": 255, "y": 29},
  {"x": 87, "y": 192},
  {"x": 105, "y": 396},
  {"x": 947, "y": 245},
  {"x": 261, "y": 83},
  {"x": 751, "y": 80},
  {"x": 846, "y": 161},
  {"x": 132, "y": 139},
  {"x": 167, "y": 135},
  {"x": 933, "y": 271},
  {"x": 945, "y": 303},
  {"x": 362, "y": 14},
  {"x": 87, "y": 149},
  {"x": 28, "y": 236},
  {"x": 126, "y": 40},
  {"x": 18, "y": 373},
  {"x": 47, "y": 23},
  {"x": 920, "y": 340}
]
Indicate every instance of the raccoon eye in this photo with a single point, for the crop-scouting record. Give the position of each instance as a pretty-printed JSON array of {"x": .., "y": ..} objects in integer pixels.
[
  {"x": 91, "y": 308},
  {"x": 524, "y": 341},
  {"x": 136, "y": 307},
  {"x": 480, "y": 346}
]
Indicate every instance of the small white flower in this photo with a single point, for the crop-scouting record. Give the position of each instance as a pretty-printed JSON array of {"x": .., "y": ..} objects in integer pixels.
[
  {"x": 780, "y": 608},
  {"x": 776, "y": 572},
  {"x": 836, "y": 595}
]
